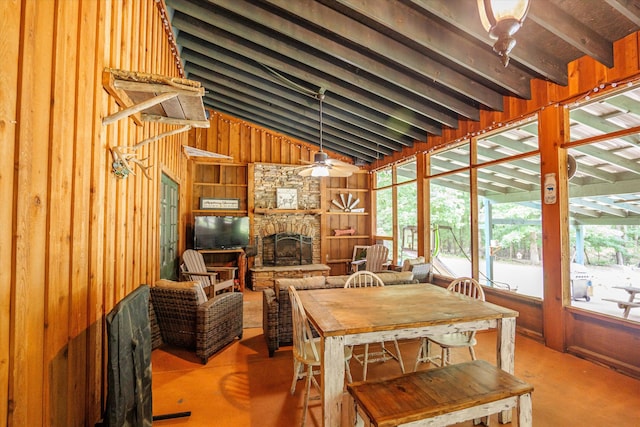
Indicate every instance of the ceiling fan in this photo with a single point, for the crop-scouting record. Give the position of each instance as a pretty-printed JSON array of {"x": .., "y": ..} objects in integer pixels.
[{"x": 323, "y": 165}]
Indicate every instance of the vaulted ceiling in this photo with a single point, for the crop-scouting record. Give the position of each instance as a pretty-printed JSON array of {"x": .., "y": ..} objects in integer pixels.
[{"x": 393, "y": 72}]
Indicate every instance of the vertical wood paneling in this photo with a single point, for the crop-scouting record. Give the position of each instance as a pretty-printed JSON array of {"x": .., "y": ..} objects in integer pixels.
[
  {"x": 79, "y": 239},
  {"x": 94, "y": 26},
  {"x": 59, "y": 251},
  {"x": 26, "y": 388},
  {"x": 9, "y": 47}
]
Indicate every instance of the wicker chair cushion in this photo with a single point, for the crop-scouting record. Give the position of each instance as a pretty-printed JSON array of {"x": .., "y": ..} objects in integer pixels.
[
  {"x": 313, "y": 282},
  {"x": 409, "y": 263},
  {"x": 396, "y": 277},
  {"x": 170, "y": 284}
]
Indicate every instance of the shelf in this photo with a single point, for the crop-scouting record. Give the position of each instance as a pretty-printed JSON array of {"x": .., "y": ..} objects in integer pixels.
[
  {"x": 346, "y": 237},
  {"x": 218, "y": 211},
  {"x": 343, "y": 189},
  {"x": 346, "y": 213},
  {"x": 287, "y": 211},
  {"x": 221, "y": 251},
  {"x": 338, "y": 261}
]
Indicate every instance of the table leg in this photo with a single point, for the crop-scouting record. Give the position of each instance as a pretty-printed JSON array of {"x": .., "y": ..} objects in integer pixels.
[
  {"x": 332, "y": 380},
  {"x": 506, "y": 343}
]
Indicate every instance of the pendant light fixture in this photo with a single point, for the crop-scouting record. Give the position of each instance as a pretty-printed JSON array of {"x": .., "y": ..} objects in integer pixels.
[
  {"x": 502, "y": 19},
  {"x": 322, "y": 164}
]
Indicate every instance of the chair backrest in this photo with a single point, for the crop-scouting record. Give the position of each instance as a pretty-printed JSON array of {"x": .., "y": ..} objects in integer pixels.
[
  {"x": 176, "y": 311},
  {"x": 304, "y": 345},
  {"x": 376, "y": 257},
  {"x": 193, "y": 261},
  {"x": 363, "y": 279},
  {"x": 467, "y": 286}
]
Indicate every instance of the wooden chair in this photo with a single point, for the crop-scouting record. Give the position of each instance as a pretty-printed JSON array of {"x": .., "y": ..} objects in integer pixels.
[
  {"x": 194, "y": 268},
  {"x": 471, "y": 288},
  {"x": 364, "y": 279},
  {"x": 375, "y": 261},
  {"x": 306, "y": 350}
]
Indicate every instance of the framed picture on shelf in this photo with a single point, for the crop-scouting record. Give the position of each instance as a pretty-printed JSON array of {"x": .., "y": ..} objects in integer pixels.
[
  {"x": 287, "y": 198},
  {"x": 220, "y": 204}
]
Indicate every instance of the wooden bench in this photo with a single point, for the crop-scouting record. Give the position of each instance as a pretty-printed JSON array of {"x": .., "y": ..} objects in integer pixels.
[
  {"x": 626, "y": 306},
  {"x": 442, "y": 396}
]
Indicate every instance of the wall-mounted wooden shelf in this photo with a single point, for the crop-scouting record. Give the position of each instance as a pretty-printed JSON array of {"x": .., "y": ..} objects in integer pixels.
[
  {"x": 219, "y": 212},
  {"x": 346, "y": 237},
  {"x": 347, "y": 189},
  {"x": 346, "y": 213},
  {"x": 266, "y": 211}
]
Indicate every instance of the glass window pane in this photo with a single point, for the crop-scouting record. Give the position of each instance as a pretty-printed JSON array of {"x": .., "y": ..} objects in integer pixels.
[
  {"x": 604, "y": 203},
  {"x": 508, "y": 142},
  {"x": 510, "y": 227},
  {"x": 604, "y": 231},
  {"x": 451, "y": 223},
  {"x": 450, "y": 159},
  {"x": 407, "y": 222},
  {"x": 383, "y": 178},
  {"x": 384, "y": 213},
  {"x": 406, "y": 172}
]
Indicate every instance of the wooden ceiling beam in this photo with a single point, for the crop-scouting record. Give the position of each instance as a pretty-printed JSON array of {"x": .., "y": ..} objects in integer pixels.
[
  {"x": 329, "y": 133},
  {"x": 271, "y": 121},
  {"x": 392, "y": 50},
  {"x": 550, "y": 17},
  {"x": 427, "y": 34},
  {"x": 416, "y": 87},
  {"x": 253, "y": 74},
  {"x": 291, "y": 102},
  {"x": 464, "y": 16},
  {"x": 285, "y": 58}
]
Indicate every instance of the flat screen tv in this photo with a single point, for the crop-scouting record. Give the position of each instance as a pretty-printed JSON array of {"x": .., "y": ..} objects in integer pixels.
[{"x": 221, "y": 232}]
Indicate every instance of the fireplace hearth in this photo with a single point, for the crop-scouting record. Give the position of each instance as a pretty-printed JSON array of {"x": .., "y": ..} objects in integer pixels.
[{"x": 282, "y": 249}]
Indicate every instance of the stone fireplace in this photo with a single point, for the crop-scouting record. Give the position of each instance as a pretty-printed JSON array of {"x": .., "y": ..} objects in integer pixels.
[
  {"x": 275, "y": 229},
  {"x": 287, "y": 249}
]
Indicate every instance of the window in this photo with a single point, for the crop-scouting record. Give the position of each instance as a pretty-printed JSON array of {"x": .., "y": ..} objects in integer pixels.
[
  {"x": 604, "y": 201},
  {"x": 396, "y": 209}
]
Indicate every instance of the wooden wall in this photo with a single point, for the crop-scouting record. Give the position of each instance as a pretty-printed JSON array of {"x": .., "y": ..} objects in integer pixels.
[
  {"x": 74, "y": 239},
  {"x": 249, "y": 143}
]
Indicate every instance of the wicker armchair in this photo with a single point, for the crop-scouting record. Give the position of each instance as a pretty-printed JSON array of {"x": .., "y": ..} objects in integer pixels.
[{"x": 187, "y": 319}]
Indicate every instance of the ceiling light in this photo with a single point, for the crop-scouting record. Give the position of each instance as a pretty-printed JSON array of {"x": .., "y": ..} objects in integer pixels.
[
  {"x": 320, "y": 170},
  {"x": 322, "y": 164},
  {"x": 502, "y": 19}
]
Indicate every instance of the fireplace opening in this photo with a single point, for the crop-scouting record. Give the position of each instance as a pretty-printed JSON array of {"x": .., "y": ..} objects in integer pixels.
[{"x": 287, "y": 249}]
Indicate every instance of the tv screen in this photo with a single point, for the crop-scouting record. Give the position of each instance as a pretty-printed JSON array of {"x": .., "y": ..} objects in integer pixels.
[{"x": 221, "y": 232}]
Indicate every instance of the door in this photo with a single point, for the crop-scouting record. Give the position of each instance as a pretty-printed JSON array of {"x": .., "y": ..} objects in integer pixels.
[{"x": 169, "y": 259}]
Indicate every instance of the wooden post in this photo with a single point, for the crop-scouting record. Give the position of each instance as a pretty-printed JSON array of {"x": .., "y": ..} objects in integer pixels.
[{"x": 553, "y": 127}]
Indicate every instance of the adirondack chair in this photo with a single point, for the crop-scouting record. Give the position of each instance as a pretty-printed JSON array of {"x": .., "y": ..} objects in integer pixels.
[
  {"x": 375, "y": 261},
  {"x": 194, "y": 268}
]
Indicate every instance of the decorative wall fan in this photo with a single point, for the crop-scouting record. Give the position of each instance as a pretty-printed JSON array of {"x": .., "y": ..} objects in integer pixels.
[
  {"x": 323, "y": 165},
  {"x": 347, "y": 203}
]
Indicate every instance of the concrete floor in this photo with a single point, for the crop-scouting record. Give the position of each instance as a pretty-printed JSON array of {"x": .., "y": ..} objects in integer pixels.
[{"x": 242, "y": 386}]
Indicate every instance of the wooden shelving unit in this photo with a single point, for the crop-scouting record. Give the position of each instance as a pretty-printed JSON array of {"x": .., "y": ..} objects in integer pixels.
[
  {"x": 219, "y": 181},
  {"x": 337, "y": 250}
]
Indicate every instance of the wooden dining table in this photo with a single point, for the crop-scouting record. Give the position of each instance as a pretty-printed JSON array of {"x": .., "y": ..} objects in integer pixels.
[{"x": 345, "y": 317}]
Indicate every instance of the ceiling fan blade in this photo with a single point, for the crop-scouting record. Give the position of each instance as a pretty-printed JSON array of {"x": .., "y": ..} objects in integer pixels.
[
  {"x": 342, "y": 165},
  {"x": 306, "y": 172}
]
